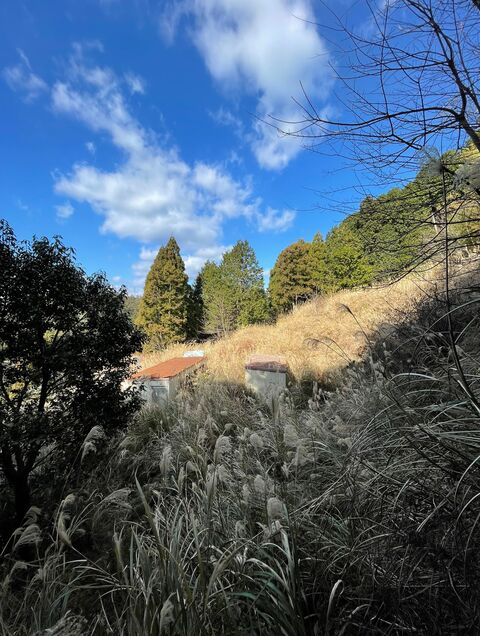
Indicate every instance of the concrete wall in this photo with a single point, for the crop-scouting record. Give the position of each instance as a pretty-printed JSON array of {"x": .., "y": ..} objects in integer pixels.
[
  {"x": 267, "y": 384},
  {"x": 154, "y": 391}
]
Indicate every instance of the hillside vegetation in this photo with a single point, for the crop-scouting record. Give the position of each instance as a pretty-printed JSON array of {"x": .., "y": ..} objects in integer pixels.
[
  {"x": 218, "y": 515},
  {"x": 318, "y": 338}
]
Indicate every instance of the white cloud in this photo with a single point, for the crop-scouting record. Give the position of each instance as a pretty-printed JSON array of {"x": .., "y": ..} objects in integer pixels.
[
  {"x": 266, "y": 49},
  {"x": 20, "y": 78},
  {"x": 275, "y": 220},
  {"x": 225, "y": 117},
  {"x": 64, "y": 211},
  {"x": 135, "y": 83},
  {"x": 91, "y": 147},
  {"x": 153, "y": 193},
  {"x": 194, "y": 262}
]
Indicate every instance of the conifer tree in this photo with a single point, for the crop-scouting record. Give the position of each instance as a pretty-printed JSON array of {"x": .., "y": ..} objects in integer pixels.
[
  {"x": 217, "y": 312},
  {"x": 291, "y": 277},
  {"x": 243, "y": 281},
  {"x": 233, "y": 292},
  {"x": 164, "y": 306},
  {"x": 195, "y": 309},
  {"x": 319, "y": 276}
]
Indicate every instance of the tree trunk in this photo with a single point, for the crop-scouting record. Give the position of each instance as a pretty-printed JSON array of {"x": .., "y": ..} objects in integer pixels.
[{"x": 22, "y": 495}]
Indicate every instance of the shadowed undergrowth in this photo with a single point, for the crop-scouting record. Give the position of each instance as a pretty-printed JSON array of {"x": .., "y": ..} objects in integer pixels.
[{"x": 219, "y": 515}]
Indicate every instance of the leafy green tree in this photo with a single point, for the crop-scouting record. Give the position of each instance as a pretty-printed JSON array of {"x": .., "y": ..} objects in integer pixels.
[
  {"x": 319, "y": 276},
  {"x": 66, "y": 343},
  {"x": 164, "y": 307},
  {"x": 346, "y": 265},
  {"x": 233, "y": 292},
  {"x": 132, "y": 305},
  {"x": 291, "y": 277}
]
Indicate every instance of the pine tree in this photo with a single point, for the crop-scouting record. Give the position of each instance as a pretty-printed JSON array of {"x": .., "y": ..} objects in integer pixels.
[
  {"x": 163, "y": 310},
  {"x": 291, "y": 277}
]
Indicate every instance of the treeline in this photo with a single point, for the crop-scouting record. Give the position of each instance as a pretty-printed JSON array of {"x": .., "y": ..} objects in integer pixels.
[
  {"x": 388, "y": 235},
  {"x": 223, "y": 297}
]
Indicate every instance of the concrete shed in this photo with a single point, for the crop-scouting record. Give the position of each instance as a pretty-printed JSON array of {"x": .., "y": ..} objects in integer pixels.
[
  {"x": 161, "y": 382},
  {"x": 266, "y": 375}
]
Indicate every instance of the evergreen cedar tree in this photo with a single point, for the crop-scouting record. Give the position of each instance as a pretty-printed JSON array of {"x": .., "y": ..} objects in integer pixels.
[
  {"x": 163, "y": 312},
  {"x": 195, "y": 309},
  {"x": 66, "y": 343},
  {"x": 290, "y": 278}
]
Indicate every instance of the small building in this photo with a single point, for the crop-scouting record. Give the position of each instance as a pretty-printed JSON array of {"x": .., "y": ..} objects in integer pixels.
[
  {"x": 161, "y": 382},
  {"x": 266, "y": 375}
]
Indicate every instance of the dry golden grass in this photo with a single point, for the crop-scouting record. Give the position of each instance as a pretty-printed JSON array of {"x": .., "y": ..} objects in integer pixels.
[{"x": 342, "y": 332}]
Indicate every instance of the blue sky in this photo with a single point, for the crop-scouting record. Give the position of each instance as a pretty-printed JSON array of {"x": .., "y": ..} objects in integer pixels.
[{"x": 127, "y": 121}]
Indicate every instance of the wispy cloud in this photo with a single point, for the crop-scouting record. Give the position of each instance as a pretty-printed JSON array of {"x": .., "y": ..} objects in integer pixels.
[
  {"x": 21, "y": 78},
  {"x": 64, "y": 211},
  {"x": 273, "y": 221},
  {"x": 135, "y": 83},
  {"x": 265, "y": 49},
  {"x": 153, "y": 193}
]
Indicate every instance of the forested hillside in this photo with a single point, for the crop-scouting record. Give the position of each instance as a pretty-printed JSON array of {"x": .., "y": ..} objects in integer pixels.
[{"x": 390, "y": 235}]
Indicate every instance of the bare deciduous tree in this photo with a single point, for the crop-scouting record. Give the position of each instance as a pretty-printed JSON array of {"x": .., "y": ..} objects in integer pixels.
[{"x": 409, "y": 91}]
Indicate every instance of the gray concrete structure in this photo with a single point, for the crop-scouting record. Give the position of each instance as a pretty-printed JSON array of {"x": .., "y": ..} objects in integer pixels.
[
  {"x": 266, "y": 375},
  {"x": 162, "y": 381}
]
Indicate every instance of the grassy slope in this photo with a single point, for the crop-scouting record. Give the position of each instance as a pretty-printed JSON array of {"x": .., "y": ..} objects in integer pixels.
[{"x": 342, "y": 335}]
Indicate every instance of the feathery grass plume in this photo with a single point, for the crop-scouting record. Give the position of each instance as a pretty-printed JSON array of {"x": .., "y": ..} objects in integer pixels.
[
  {"x": 223, "y": 448},
  {"x": 68, "y": 625},
  {"x": 27, "y": 535},
  {"x": 18, "y": 566},
  {"x": 64, "y": 516},
  {"x": 166, "y": 461},
  {"x": 275, "y": 509},
  {"x": 91, "y": 441},
  {"x": 256, "y": 441},
  {"x": 259, "y": 485},
  {"x": 290, "y": 436}
]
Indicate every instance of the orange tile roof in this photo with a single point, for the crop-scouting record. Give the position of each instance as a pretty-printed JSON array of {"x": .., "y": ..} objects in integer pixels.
[{"x": 168, "y": 368}]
